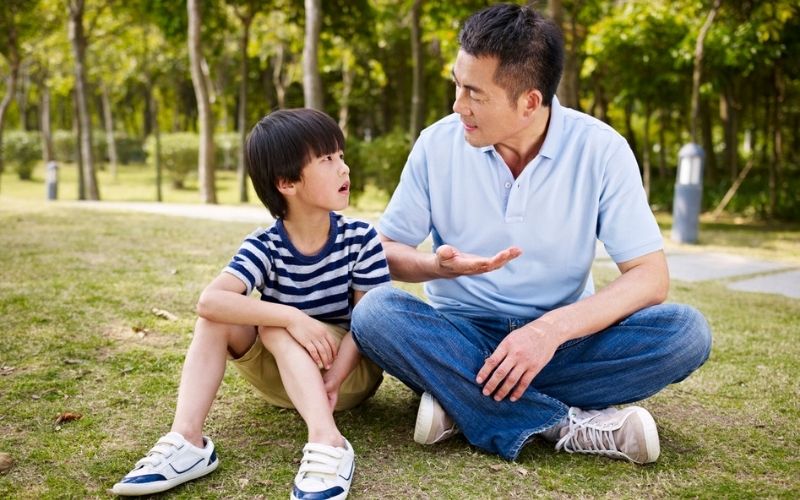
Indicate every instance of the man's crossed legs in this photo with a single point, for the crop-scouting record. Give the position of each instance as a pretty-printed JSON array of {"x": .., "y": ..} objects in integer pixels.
[{"x": 567, "y": 402}]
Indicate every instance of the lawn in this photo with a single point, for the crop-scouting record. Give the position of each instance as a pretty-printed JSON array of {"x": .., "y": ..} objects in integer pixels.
[{"x": 78, "y": 334}]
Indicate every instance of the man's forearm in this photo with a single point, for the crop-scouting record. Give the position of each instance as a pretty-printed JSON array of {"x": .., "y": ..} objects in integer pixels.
[
  {"x": 408, "y": 264},
  {"x": 642, "y": 284}
]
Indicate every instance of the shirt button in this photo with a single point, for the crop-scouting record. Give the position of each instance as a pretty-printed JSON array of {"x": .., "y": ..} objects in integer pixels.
[{"x": 508, "y": 185}]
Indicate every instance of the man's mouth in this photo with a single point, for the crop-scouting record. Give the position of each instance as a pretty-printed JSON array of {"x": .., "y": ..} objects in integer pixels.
[{"x": 468, "y": 127}]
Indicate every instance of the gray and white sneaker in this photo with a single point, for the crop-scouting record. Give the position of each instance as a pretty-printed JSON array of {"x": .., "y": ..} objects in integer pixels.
[
  {"x": 626, "y": 434},
  {"x": 172, "y": 461},
  {"x": 433, "y": 423}
]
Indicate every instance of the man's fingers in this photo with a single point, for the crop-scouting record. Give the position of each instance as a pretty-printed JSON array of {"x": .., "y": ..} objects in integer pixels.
[
  {"x": 490, "y": 364},
  {"x": 522, "y": 385},
  {"x": 509, "y": 383}
]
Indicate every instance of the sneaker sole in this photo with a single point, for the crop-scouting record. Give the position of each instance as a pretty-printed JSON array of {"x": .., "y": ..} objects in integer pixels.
[
  {"x": 133, "y": 489},
  {"x": 424, "y": 425},
  {"x": 652, "y": 444}
]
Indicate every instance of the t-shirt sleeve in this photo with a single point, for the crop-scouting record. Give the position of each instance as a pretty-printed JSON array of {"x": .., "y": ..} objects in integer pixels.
[
  {"x": 625, "y": 224},
  {"x": 251, "y": 263},
  {"x": 407, "y": 218},
  {"x": 371, "y": 269}
]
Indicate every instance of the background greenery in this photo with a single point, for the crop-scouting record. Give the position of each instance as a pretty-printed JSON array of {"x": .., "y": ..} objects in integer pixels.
[{"x": 629, "y": 63}]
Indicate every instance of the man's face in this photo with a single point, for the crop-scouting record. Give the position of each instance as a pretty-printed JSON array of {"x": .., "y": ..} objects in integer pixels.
[{"x": 488, "y": 116}]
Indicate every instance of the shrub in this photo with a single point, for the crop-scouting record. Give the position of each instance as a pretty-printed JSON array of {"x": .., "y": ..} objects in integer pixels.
[
  {"x": 179, "y": 155},
  {"x": 379, "y": 161},
  {"x": 22, "y": 150}
]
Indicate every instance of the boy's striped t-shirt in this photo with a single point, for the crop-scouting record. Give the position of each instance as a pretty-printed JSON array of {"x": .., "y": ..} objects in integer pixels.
[{"x": 320, "y": 285}]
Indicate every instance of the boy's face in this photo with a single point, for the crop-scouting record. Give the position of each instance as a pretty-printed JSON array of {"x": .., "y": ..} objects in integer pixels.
[{"x": 324, "y": 183}]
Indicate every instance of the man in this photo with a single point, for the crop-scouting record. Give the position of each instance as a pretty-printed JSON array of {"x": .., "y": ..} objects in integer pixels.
[{"x": 518, "y": 344}]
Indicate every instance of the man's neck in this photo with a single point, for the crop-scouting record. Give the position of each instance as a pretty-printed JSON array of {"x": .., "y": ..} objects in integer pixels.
[{"x": 523, "y": 147}]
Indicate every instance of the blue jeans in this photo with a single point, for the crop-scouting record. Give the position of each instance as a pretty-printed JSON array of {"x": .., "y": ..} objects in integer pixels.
[{"x": 441, "y": 353}]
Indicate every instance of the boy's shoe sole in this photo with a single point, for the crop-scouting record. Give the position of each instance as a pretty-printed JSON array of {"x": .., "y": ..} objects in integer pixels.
[{"x": 155, "y": 485}]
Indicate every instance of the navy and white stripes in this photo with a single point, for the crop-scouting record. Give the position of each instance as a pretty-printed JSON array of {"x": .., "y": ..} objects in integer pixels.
[{"x": 319, "y": 285}]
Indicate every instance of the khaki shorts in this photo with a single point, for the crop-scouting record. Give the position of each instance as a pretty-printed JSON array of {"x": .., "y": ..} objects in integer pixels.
[{"x": 259, "y": 367}]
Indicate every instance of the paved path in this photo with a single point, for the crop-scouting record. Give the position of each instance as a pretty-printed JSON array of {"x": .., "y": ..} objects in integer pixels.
[{"x": 740, "y": 273}]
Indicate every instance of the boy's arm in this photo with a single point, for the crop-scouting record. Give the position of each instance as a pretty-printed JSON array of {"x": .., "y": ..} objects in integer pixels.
[
  {"x": 222, "y": 302},
  {"x": 345, "y": 362}
]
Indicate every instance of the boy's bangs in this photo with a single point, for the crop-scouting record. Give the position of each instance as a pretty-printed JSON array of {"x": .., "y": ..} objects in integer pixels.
[{"x": 323, "y": 137}]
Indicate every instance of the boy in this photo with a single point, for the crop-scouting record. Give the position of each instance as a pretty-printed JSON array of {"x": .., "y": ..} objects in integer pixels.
[{"x": 310, "y": 267}]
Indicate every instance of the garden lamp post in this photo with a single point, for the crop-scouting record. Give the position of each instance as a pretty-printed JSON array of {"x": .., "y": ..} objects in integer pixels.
[{"x": 688, "y": 194}]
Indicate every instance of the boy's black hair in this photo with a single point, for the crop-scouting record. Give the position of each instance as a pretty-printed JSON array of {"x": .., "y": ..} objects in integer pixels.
[
  {"x": 528, "y": 46},
  {"x": 281, "y": 144}
]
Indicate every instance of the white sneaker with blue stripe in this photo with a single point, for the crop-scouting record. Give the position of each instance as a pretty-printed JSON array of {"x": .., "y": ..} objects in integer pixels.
[
  {"x": 172, "y": 461},
  {"x": 325, "y": 472}
]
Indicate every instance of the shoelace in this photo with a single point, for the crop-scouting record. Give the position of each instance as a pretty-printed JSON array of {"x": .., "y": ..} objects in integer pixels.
[
  {"x": 583, "y": 437},
  {"x": 164, "y": 448},
  {"x": 320, "y": 461}
]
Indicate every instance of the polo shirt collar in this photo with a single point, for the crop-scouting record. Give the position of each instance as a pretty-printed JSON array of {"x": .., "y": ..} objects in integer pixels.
[{"x": 555, "y": 132}]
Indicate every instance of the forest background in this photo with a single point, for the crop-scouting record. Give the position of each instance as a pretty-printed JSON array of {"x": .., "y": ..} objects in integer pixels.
[{"x": 171, "y": 88}]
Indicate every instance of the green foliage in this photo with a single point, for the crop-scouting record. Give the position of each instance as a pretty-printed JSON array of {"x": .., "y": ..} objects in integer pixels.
[
  {"x": 379, "y": 161},
  {"x": 179, "y": 155},
  {"x": 22, "y": 150}
]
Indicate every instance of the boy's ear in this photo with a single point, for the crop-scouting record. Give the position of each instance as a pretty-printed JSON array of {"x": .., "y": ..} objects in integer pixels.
[{"x": 286, "y": 187}]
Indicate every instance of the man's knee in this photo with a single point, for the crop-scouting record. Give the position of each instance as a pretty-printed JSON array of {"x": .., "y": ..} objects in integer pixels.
[
  {"x": 691, "y": 335},
  {"x": 376, "y": 318}
]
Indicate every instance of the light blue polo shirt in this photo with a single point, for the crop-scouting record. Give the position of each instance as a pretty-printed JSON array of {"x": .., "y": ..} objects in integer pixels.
[{"x": 583, "y": 185}]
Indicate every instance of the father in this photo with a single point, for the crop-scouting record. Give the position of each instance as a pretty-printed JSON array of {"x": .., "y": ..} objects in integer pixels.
[{"x": 518, "y": 344}]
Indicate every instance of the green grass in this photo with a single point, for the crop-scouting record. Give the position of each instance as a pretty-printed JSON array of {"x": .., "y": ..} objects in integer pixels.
[{"x": 77, "y": 287}]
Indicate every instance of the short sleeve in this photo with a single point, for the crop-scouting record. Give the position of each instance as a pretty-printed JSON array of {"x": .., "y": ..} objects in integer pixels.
[
  {"x": 407, "y": 218},
  {"x": 371, "y": 269},
  {"x": 625, "y": 224},
  {"x": 251, "y": 264}
]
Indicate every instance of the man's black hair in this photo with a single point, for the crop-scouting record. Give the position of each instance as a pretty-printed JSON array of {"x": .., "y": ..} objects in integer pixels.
[
  {"x": 528, "y": 46},
  {"x": 281, "y": 144}
]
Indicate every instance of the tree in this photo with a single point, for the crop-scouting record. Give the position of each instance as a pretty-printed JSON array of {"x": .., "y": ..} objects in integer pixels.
[
  {"x": 312, "y": 83},
  {"x": 417, "y": 71},
  {"x": 77, "y": 36},
  {"x": 208, "y": 191}
]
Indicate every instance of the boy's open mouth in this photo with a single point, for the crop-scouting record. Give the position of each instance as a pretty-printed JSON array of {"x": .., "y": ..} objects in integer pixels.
[{"x": 345, "y": 188}]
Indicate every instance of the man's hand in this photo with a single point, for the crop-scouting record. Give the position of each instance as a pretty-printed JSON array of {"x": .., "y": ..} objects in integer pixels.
[
  {"x": 315, "y": 338},
  {"x": 451, "y": 263},
  {"x": 517, "y": 360}
]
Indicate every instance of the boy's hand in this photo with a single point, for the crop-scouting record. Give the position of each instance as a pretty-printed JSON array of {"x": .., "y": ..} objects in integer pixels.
[
  {"x": 331, "y": 388},
  {"x": 315, "y": 338}
]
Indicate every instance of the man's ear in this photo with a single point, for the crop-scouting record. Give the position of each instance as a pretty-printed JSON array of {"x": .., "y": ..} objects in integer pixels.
[
  {"x": 286, "y": 188},
  {"x": 530, "y": 101}
]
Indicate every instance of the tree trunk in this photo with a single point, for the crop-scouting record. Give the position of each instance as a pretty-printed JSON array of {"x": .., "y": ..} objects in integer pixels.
[
  {"x": 728, "y": 114},
  {"x": 241, "y": 168},
  {"x": 23, "y": 89},
  {"x": 708, "y": 142},
  {"x": 157, "y": 136},
  {"x": 629, "y": 132},
  {"x": 646, "y": 168},
  {"x": 108, "y": 120},
  {"x": 44, "y": 123},
  {"x": 663, "y": 113},
  {"x": 777, "y": 141},
  {"x": 79, "y": 42},
  {"x": 347, "y": 87},
  {"x": 698, "y": 67},
  {"x": 568, "y": 87},
  {"x": 11, "y": 84},
  {"x": 205, "y": 167},
  {"x": 417, "y": 74},
  {"x": 312, "y": 83},
  {"x": 278, "y": 76},
  {"x": 76, "y": 127}
]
